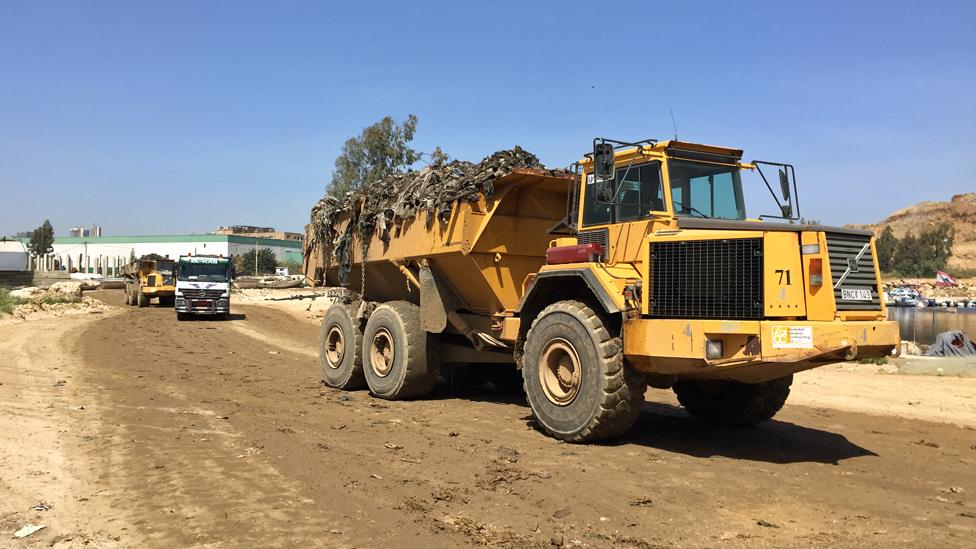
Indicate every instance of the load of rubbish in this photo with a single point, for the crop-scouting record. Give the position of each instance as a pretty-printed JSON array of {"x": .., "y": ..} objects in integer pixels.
[{"x": 435, "y": 189}]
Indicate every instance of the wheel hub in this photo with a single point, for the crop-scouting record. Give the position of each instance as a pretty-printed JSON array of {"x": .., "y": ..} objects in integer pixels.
[
  {"x": 381, "y": 352},
  {"x": 560, "y": 373},
  {"x": 335, "y": 347}
]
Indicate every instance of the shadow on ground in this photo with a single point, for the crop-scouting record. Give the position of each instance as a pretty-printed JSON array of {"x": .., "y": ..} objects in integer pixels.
[{"x": 668, "y": 427}]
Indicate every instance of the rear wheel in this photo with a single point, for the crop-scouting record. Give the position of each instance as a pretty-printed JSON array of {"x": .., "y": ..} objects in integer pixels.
[
  {"x": 399, "y": 359},
  {"x": 341, "y": 349},
  {"x": 731, "y": 403},
  {"x": 142, "y": 299},
  {"x": 575, "y": 378}
]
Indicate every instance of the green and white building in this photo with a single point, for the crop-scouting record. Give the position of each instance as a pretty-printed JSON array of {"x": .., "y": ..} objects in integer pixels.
[{"x": 106, "y": 254}]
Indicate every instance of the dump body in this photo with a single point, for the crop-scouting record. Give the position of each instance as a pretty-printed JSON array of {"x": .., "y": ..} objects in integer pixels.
[{"x": 484, "y": 251}]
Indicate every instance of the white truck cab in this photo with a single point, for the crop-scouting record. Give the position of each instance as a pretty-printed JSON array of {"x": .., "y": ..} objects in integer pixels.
[{"x": 203, "y": 286}]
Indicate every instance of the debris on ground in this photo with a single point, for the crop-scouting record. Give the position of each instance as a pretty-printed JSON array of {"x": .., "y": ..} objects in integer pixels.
[
  {"x": 28, "y": 529},
  {"x": 952, "y": 343},
  {"x": 379, "y": 207},
  {"x": 42, "y": 506}
]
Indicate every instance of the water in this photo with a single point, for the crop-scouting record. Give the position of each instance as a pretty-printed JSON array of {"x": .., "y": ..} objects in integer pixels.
[{"x": 922, "y": 325}]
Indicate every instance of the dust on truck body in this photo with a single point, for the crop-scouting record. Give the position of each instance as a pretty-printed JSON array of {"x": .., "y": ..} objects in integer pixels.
[{"x": 638, "y": 268}]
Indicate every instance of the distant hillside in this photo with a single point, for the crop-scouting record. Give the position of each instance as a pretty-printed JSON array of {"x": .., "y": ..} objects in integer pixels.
[{"x": 960, "y": 211}]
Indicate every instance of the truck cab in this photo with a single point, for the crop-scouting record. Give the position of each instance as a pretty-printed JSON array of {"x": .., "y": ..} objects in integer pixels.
[
  {"x": 203, "y": 286},
  {"x": 707, "y": 292}
]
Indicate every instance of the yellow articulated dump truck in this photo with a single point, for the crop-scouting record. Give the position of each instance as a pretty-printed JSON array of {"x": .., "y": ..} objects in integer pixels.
[
  {"x": 148, "y": 279},
  {"x": 637, "y": 267}
]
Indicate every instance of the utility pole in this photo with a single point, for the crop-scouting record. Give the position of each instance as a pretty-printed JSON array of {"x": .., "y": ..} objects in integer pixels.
[{"x": 255, "y": 256}]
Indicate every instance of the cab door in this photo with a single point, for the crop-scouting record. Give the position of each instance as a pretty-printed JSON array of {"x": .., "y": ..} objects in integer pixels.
[{"x": 620, "y": 223}]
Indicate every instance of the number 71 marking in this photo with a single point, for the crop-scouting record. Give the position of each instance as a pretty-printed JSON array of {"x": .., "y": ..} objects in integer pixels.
[{"x": 781, "y": 273}]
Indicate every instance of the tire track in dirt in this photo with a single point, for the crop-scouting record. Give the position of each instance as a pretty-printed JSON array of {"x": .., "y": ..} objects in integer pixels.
[{"x": 466, "y": 467}]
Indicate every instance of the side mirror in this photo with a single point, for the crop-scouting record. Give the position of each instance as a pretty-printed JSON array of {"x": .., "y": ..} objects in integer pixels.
[
  {"x": 784, "y": 184},
  {"x": 602, "y": 161}
]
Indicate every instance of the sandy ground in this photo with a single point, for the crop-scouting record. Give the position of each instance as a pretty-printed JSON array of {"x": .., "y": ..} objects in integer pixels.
[{"x": 139, "y": 431}]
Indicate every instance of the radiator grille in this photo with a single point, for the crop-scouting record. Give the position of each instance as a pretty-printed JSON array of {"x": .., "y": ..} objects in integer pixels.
[
  {"x": 189, "y": 293},
  {"x": 720, "y": 279},
  {"x": 596, "y": 236},
  {"x": 843, "y": 250}
]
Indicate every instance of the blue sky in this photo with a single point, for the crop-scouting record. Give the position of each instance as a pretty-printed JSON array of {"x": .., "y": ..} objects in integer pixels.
[{"x": 175, "y": 117}]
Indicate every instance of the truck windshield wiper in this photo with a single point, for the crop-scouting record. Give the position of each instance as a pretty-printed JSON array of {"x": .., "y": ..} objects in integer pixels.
[{"x": 689, "y": 208}]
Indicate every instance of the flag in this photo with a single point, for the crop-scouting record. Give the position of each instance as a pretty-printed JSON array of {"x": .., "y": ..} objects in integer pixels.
[{"x": 945, "y": 279}]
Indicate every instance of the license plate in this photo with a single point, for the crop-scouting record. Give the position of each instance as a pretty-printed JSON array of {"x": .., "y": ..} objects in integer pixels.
[
  {"x": 198, "y": 303},
  {"x": 855, "y": 295}
]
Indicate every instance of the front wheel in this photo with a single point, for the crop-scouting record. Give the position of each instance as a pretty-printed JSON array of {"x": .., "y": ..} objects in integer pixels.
[
  {"x": 575, "y": 378},
  {"x": 731, "y": 403}
]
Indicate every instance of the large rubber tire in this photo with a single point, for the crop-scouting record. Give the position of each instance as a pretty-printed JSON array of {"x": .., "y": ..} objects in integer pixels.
[
  {"x": 733, "y": 404},
  {"x": 129, "y": 300},
  {"x": 142, "y": 299},
  {"x": 400, "y": 360},
  {"x": 604, "y": 397},
  {"x": 341, "y": 349}
]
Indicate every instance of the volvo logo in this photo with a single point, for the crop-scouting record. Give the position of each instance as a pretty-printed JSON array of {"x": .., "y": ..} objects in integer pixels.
[{"x": 852, "y": 265}]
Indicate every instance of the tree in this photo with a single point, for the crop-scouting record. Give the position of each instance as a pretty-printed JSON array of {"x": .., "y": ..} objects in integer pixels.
[
  {"x": 935, "y": 248},
  {"x": 886, "y": 245},
  {"x": 380, "y": 150},
  {"x": 152, "y": 257},
  {"x": 42, "y": 239},
  {"x": 922, "y": 255},
  {"x": 906, "y": 257},
  {"x": 266, "y": 262}
]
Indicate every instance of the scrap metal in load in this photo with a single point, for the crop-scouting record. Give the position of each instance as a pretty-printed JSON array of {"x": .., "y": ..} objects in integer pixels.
[{"x": 374, "y": 209}]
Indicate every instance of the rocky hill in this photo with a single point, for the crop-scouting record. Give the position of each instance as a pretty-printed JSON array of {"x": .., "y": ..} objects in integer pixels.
[{"x": 960, "y": 211}]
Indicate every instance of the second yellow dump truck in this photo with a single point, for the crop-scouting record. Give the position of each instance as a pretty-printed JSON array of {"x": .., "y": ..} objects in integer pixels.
[
  {"x": 148, "y": 279},
  {"x": 640, "y": 267}
]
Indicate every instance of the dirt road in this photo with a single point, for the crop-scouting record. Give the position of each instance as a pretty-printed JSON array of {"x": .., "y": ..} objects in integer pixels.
[{"x": 137, "y": 430}]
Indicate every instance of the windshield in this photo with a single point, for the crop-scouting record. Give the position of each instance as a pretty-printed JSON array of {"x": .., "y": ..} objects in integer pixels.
[
  {"x": 706, "y": 190},
  {"x": 204, "y": 272}
]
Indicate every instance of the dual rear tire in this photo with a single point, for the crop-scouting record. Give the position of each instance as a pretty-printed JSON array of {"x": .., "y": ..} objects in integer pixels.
[{"x": 391, "y": 355}]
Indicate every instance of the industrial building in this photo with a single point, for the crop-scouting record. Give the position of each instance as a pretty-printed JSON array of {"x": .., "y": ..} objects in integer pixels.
[{"x": 106, "y": 254}]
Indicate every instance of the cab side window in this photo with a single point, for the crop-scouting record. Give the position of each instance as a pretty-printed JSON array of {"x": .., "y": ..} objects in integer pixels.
[{"x": 638, "y": 192}]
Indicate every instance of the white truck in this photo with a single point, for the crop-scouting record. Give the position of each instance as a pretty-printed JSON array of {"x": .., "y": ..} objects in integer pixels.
[{"x": 203, "y": 286}]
